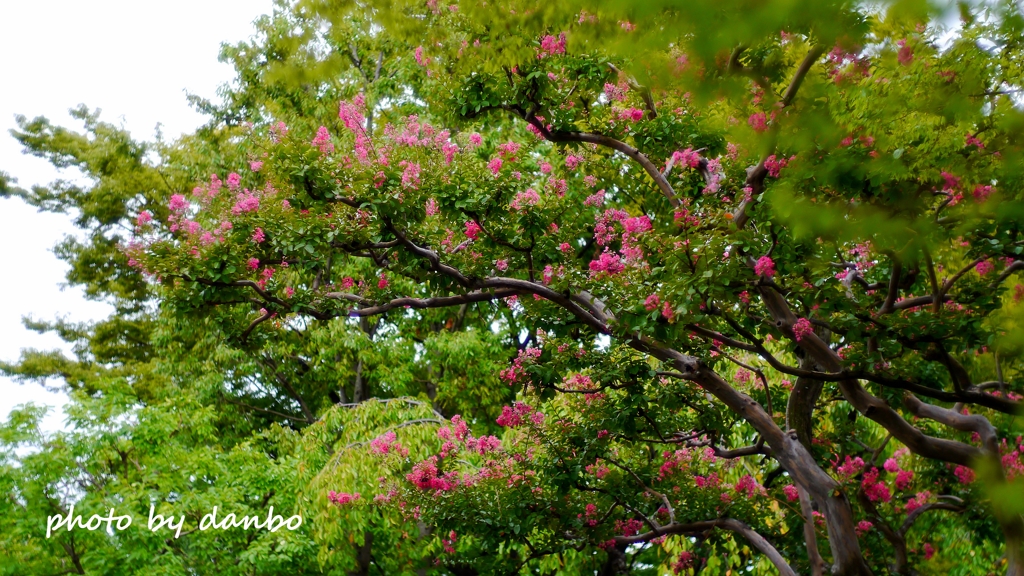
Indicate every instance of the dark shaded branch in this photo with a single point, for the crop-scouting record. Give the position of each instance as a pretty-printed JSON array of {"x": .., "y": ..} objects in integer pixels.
[{"x": 756, "y": 540}]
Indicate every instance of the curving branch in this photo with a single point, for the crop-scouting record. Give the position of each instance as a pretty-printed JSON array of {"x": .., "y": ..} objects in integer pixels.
[
  {"x": 435, "y": 302},
  {"x": 913, "y": 516},
  {"x": 756, "y": 540},
  {"x": 607, "y": 142}
]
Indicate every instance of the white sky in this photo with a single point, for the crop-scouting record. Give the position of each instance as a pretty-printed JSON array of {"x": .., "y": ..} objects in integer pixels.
[{"x": 133, "y": 59}]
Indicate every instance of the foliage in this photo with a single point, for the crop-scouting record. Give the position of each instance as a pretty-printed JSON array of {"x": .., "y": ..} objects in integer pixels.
[{"x": 554, "y": 288}]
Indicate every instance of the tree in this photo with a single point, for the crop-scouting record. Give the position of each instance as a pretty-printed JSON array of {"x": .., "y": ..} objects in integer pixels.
[
  {"x": 763, "y": 261},
  {"x": 744, "y": 279}
]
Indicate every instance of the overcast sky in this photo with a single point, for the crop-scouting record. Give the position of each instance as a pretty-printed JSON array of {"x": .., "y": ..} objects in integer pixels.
[{"x": 132, "y": 59}]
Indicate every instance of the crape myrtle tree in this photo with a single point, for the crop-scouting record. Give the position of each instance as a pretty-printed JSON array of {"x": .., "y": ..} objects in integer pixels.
[{"x": 761, "y": 261}]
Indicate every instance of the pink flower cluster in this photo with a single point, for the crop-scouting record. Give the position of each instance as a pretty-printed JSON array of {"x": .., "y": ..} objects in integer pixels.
[
  {"x": 749, "y": 486},
  {"x": 387, "y": 443},
  {"x": 616, "y": 93},
  {"x": 495, "y": 165},
  {"x": 874, "y": 489},
  {"x": 863, "y": 527},
  {"x": 791, "y": 492},
  {"x": 473, "y": 230},
  {"x": 688, "y": 158},
  {"x": 321, "y": 141},
  {"x": 964, "y": 474},
  {"x": 245, "y": 202},
  {"x": 919, "y": 499},
  {"x": 776, "y": 164},
  {"x": 765, "y": 266},
  {"x": 523, "y": 199},
  {"x": 629, "y": 527},
  {"x": 652, "y": 302},
  {"x": 572, "y": 161},
  {"x": 802, "y": 329},
  {"x": 515, "y": 415},
  {"x": 517, "y": 370},
  {"x": 981, "y": 193},
  {"x": 608, "y": 262},
  {"x": 630, "y": 114},
  {"x": 551, "y": 46},
  {"x": 342, "y": 498},
  {"x": 758, "y": 121}
]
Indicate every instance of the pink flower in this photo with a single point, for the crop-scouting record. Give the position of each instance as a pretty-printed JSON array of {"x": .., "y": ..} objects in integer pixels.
[
  {"x": 950, "y": 182},
  {"x": 432, "y": 209},
  {"x": 748, "y": 485},
  {"x": 906, "y": 54},
  {"x": 342, "y": 498},
  {"x": 545, "y": 168},
  {"x": 387, "y": 443},
  {"x": 289, "y": 291},
  {"x": 652, "y": 302},
  {"x": 473, "y": 230},
  {"x": 863, "y": 527},
  {"x": 851, "y": 467},
  {"x": 501, "y": 265},
  {"x": 565, "y": 247},
  {"x": 744, "y": 297},
  {"x": 607, "y": 262},
  {"x": 512, "y": 416},
  {"x": 765, "y": 267},
  {"x": 528, "y": 198},
  {"x": 549, "y": 274},
  {"x": 631, "y": 115},
  {"x": 495, "y": 165},
  {"x": 246, "y": 202},
  {"x": 255, "y": 166},
  {"x": 891, "y": 465},
  {"x": 234, "y": 181},
  {"x": 550, "y": 46},
  {"x": 382, "y": 283},
  {"x": 144, "y": 218},
  {"x": 687, "y": 157},
  {"x": 596, "y": 199},
  {"x": 178, "y": 203},
  {"x": 572, "y": 161},
  {"x": 258, "y": 236},
  {"x": 984, "y": 267},
  {"x": 873, "y": 489},
  {"x": 683, "y": 563},
  {"x": 929, "y": 551},
  {"x": 775, "y": 165},
  {"x": 616, "y": 93},
  {"x": 802, "y": 328},
  {"x": 792, "y": 494},
  {"x": 475, "y": 140},
  {"x": 758, "y": 121},
  {"x": 411, "y": 174},
  {"x": 981, "y": 193},
  {"x": 903, "y": 479},
  {"x": 964, "y": 474},
  {"x": 667, "y": 311},
  {"x": 420, "y": 59},
  {"x": 590, "y": 180},
  {"x": 253, "y": 263}
]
